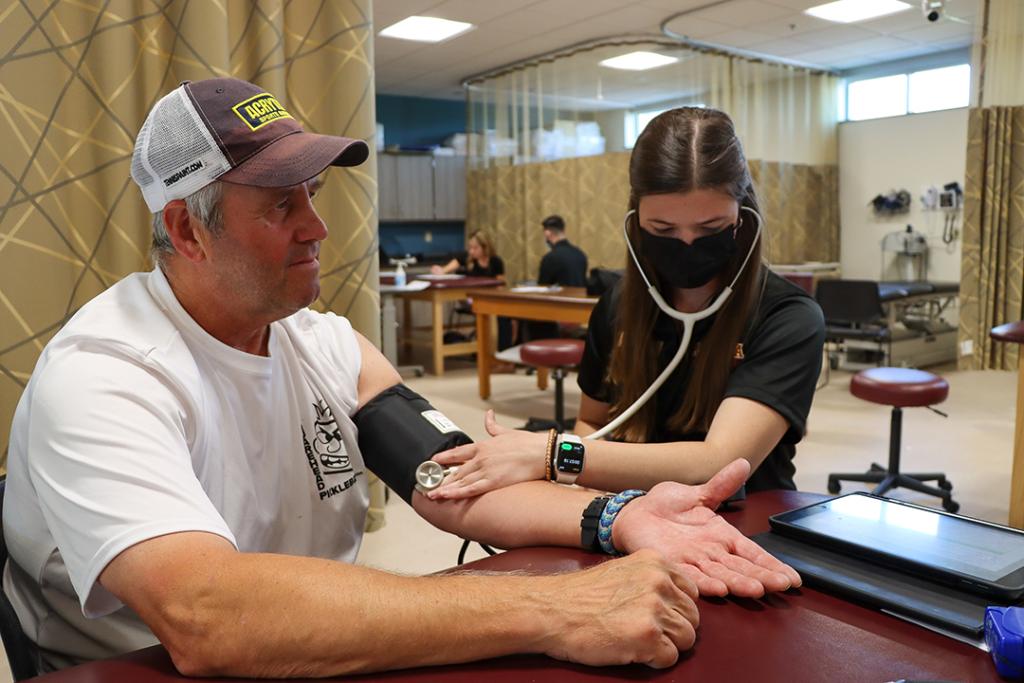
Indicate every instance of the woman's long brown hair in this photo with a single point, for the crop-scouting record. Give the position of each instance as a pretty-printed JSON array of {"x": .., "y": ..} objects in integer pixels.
[
  {"x": 683, "y": 149},
  {"x": 485, "y": 244}
]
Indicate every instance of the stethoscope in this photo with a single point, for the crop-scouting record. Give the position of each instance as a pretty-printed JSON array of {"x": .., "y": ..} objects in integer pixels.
[
  {"x": 689, "y": 320},
  {"x": 430, "y": 474}
]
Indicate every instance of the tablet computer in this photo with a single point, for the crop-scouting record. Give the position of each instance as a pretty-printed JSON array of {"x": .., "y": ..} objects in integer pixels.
[{"x": 970, "y": 554}]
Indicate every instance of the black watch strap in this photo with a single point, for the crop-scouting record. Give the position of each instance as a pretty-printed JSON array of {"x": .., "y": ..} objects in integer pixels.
[{"x": 588, "y": 525}]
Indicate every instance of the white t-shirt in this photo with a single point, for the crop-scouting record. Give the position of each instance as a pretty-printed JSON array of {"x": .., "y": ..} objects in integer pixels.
[{"x": 137, "y": 423}]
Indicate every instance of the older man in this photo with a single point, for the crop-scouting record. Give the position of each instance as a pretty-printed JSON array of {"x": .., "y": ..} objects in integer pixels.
[{"x": 188, "y": 462}]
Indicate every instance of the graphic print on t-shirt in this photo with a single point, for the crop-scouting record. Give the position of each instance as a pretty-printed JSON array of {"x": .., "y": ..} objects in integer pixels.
[
  {"x": 326, "y": 453},
  {"x": 329, "y": 447}
]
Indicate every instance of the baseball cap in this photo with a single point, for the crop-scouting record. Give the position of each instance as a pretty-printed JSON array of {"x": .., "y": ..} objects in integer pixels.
[{"x": 229, "y": 129}]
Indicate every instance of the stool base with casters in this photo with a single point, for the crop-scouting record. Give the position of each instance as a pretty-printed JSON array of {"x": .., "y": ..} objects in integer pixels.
[
  {"x": 899, "y": 387},
  {"x": 557, "y": 355}
]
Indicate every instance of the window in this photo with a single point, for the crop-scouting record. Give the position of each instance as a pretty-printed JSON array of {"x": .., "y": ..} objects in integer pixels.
[
  {"x": 909, "y": 93},
  {"x": 877, "y": 97},
  {"x": 936, "y": 89}
]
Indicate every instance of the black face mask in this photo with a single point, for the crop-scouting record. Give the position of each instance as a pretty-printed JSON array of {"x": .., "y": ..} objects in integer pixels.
[{"x": 689, "y": 265}]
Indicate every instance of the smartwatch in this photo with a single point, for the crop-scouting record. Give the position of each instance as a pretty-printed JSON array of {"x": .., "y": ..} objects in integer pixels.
[{"x": 568, "y": 460}]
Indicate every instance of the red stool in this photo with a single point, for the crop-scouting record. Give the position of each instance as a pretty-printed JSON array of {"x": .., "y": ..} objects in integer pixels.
[
  {"x": 557, "y": 355},
  {"x": 899, "y": 388}
]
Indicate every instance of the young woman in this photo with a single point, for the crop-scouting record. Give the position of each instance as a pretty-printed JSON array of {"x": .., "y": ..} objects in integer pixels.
[
  {"x": 480, "y": 260},
  {"x": 745, "y": 384}
]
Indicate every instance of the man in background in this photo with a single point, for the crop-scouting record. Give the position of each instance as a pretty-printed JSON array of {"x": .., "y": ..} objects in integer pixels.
[{"x": 565, "y": 264}]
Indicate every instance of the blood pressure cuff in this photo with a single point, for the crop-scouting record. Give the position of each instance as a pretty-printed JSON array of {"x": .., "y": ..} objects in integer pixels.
[{"x": 398, "y": 430}]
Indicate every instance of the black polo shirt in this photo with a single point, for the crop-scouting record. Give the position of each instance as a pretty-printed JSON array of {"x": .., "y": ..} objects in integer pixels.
[
  {"x": 564, "y": 265},
  {"x": 782, "y": 351},
  {"x": 495, "y": 267}
]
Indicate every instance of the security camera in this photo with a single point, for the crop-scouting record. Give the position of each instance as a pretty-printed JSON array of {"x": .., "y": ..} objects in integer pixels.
[{"x": 933, "y": 9}]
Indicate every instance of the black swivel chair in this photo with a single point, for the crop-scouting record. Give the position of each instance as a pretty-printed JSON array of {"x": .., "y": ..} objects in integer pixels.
[
  {"x": 20, "y": 650},
  {"x": 853, "y": 310}
]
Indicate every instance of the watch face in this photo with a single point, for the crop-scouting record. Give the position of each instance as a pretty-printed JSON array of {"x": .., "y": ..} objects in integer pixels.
[{"x": 570, "y": 458}]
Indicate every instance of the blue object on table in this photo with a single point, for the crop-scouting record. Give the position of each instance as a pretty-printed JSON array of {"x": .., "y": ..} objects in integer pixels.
[{"x": 1004, "y": 635}]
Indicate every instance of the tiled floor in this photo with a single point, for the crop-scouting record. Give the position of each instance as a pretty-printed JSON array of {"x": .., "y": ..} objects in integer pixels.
[{"x": 973, "y": 446}]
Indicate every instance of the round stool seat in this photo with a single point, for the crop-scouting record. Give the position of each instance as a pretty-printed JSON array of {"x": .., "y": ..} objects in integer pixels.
[
  {"x": 1010, "y": 332},
  {"x": 552, "y": 353},
  {"x": 899, "y": 387}
]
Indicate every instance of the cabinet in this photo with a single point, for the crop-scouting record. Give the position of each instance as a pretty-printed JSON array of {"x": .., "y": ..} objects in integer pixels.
[
  {"x": 421, "y": 187},
  {"x": 449, "y": 188}
]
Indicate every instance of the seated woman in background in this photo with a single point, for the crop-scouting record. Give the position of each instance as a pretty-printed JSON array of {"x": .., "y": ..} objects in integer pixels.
[
  {"x": 480, "y": 260},
  {"x": 744, "y": 386}
]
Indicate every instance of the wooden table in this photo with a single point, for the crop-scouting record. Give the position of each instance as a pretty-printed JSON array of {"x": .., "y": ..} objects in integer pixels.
[
  {"x": 1014, "y": 334},
  {"x": 802, "y": 635},
  {"x": 439, "y": 293},
  {"x": 568, "y": 305}
]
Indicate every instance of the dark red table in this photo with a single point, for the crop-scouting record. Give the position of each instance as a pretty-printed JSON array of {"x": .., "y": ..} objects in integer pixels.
[{"x": 802, "y": 635}]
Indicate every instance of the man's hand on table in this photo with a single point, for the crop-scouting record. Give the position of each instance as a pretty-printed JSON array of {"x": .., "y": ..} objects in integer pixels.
[
  {"x": 679, "y": 522},
  {"x": 636, "y": 609}
]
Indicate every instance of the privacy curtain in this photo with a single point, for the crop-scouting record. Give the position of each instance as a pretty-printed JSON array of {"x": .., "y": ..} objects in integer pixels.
[
  {"x": 76, "y": 82},
  {"x": 992, "y": 275},
  {"x": 522, "y": 118}
]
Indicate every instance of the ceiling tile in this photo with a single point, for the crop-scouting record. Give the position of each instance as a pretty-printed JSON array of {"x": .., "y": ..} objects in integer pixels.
[
  {"x": 798, "y": 5},
  {"x": 387, "y": 50},
  {"x": 938, "y": 32},
  {"x": 632, "y": 18},
  {"x": 388, "y": 12},
  {"x": 793, "y": 25},
  {"x": 782, "y": 48},
  {"x": 528, "y": 22},
  {"x": 739, "y": 38},
  {"x": 697, "y": 28},
  {"x": 476, "y": 12},
  {"x": 875, "y": 46},
  {"x": 743, "y": 13},
  {"x": 574, "y": 9},
  {"x": 893, "y": 23},
  {"x": 673, "y": 6},
  {"x": 837, "y": 35}
]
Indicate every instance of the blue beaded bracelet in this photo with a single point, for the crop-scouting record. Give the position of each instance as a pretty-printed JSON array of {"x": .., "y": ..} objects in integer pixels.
[{"x": 611, "y": 511}]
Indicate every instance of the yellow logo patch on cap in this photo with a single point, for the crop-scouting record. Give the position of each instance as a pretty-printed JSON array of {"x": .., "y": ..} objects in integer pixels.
[{"x": 259, "y": 110}]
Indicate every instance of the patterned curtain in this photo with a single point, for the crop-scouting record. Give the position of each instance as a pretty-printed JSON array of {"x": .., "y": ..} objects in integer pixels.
[
  {"x": 800, "y": 203},
  {"x": 993, "y": 239},
  {"x": 76, "y": 82},
  {"x": 992, "y": 272}
]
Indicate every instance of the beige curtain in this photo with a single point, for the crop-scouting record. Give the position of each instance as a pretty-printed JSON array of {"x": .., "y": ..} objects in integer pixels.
[
  {"x": 76, "y": 82},
  {"x": 992, "y": 275},
  {"x": 550, "y": 136},
  {"x": 591, "y": 193},
  {"x": 992, "y": 265}
]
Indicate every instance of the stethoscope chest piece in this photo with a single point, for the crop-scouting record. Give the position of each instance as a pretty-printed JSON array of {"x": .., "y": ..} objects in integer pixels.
[{"x": 430, "y": 474}]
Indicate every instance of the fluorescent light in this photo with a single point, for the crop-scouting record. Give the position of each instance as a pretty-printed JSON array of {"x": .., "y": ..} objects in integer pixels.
[
  {"x": 849, "y": 11},
  {"x": 426, "y": 29},
  {"x": 638, "y": 61}
]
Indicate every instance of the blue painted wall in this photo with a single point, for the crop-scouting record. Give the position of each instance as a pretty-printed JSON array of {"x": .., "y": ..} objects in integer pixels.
[
  {"x": 417, "y": 121},
  {"x": 447, "y": 238}
]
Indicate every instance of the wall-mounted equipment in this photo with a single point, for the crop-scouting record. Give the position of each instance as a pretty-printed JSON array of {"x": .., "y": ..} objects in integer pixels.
[
  {"x": 905, "y": 256},
  {"x": 949, "y": 200},
  {"x": 893, "y": 203}
]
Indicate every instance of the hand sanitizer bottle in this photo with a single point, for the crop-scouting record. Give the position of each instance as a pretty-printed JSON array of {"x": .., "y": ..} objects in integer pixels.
[{"x": 400, "y": 275}]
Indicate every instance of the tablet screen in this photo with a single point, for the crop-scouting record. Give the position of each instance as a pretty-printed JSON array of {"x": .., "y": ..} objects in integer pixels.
[{"x": 920, "y": 535}]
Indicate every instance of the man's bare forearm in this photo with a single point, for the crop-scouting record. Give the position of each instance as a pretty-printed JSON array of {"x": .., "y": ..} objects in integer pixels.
[
  {"x": 531, "y": 513},
  {"x": 248, "y": 614}
]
